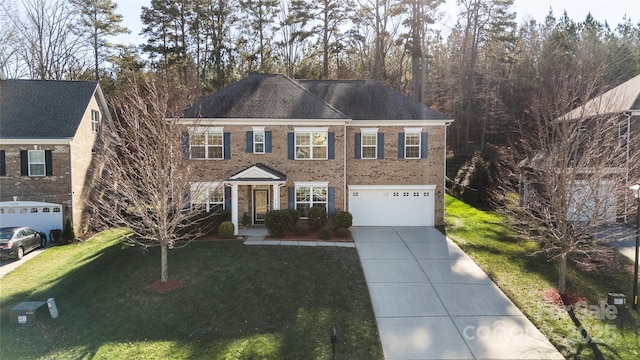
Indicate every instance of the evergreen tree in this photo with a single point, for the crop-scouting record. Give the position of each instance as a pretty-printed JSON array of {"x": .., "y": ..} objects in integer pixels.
[{"x": 98, "y": 20}]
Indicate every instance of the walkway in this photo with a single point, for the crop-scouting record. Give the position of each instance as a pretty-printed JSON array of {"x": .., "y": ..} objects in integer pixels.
[
  {"x": 257, "y": 236},
  {"x": 431, "y": 301}
]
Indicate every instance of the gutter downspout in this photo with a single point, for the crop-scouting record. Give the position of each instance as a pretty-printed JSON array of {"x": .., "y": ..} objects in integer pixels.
[
  {"x": 444, "y": 178},
  {"x": 345, "y": 191}
]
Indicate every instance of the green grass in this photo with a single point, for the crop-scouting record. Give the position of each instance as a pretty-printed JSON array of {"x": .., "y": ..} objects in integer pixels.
[
  {"x": 237, "y": 302},
  {"x": 513, "y": 264}
]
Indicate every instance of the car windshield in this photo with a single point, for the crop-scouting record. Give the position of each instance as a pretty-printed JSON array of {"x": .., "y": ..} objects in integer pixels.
[{"x": 5, "y": 235}]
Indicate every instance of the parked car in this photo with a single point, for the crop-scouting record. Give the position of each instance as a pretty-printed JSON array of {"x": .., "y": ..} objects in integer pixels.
[{"x": 17, "y": 241}]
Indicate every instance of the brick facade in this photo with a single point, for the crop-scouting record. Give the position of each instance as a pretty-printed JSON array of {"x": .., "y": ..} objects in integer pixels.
[
  {"x": 71, "y": 178},
  {"x": 388, "y": 171}
]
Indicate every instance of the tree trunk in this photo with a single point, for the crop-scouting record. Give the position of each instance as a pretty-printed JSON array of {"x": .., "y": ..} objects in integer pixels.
[
  {"x": 562, "y": 275},
  {"x": 164, "y": 276}
]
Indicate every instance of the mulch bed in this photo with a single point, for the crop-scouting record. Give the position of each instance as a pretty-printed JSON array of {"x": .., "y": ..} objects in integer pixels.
[
  {"x": 553, "y": 296},
  {"x": 292, "y": 236},
  {"x": 162, "y": 287}
]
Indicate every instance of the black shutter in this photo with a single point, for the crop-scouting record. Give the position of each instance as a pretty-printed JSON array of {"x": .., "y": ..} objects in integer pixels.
[
  {"x": 48, "y": 163},
  {"x": 267, "y": 141},
  {"x": 380, "y": 145},
  {"x": 227, "y": 198},
  {"x": 3, "y": 164},
  {"x": 330, "y": 201},
  {"x": 400, "y": 145},
  {"x": 331, "y": 151},
  {"x": 249, "y": 140},
  {"x": 291, "y": 201},
  {"x": 24, "y": 163},
  {"x": 291, "y": 146},
  {"x": 227, "y": 145},
  {"x": 185, "y": 144},
  {"x": 423, "y": 145},
  {"x": 357, "y": 149}
]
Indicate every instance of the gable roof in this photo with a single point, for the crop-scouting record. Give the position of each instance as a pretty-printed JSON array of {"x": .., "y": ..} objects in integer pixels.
[
  {"x": 369, "y": 100},
  {"x": 43, "y": 108},
  {"x": 258, "y": 172},
  {"x": 263, "y": 96},
  {"x": 622, "y": 98}
]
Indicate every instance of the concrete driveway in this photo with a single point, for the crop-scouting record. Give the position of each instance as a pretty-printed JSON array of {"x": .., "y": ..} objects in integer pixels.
[
  {"x": 8, "y": 265},
  {"x": 431, "y": 301}
]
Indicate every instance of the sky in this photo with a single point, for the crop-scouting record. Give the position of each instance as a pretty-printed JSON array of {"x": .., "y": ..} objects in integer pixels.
[{"x": 612, "y": 11}]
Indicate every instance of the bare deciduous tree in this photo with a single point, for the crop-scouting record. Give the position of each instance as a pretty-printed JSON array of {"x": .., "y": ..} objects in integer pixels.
[
  {"x": 145, "y": 176},
  {"x": 577, "y": 169},
  {"x": 46, "y": 46}
]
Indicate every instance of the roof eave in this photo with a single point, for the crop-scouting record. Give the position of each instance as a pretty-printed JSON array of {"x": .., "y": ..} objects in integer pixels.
[{"x": 36, "y": 141}]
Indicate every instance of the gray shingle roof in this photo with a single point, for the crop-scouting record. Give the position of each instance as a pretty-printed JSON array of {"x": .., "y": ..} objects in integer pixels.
[
  {"x": 369, "y": 100},
  {"x": 43, "y": 109},
  {"x": 263, "y": 96},
  {"x": 621, "y": 98}
]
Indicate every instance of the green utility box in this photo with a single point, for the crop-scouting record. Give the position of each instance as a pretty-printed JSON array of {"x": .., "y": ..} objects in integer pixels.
[{"x": 27, "y": 312}]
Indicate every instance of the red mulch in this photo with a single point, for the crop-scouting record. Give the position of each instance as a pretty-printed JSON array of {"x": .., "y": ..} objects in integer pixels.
[
  {"x": 312, "y": 236},
  {"x": 162, "y": 287},
  {"x": 553, "y": 296}
]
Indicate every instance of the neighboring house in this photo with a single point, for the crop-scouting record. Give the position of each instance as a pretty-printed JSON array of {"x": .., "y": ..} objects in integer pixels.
[
  {"x": 48, "y": 138},
  {"x": 620, "y": 107},
  {"x": 268, "y": 142}
]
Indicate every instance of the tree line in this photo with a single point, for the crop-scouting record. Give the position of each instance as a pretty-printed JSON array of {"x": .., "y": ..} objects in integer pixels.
[{"x": 483, "y": 72}]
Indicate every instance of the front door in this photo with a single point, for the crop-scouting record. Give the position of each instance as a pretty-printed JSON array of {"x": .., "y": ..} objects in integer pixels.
[{"x": 260, "y": 205}]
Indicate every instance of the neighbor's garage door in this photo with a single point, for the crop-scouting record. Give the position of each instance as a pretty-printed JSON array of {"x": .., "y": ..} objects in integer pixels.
[
  {"x": 40, "y": 216},
  {"x": 392, "y": 205}
]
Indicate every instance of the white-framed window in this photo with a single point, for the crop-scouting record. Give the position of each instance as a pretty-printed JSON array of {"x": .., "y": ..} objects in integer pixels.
[
  {"x": 206, "y": 143},
  {"x": 258, "y": 141},
  {"x": 37, "y": 165},
  {"x": 311, "y": 144},
  {"x": 207, "y": 196},
  {"x": 309, "y": 195},
  {"x": 95, "y": 121},
  {"x": 412, "y": 145},
  {"x": 369, "y": 145}
]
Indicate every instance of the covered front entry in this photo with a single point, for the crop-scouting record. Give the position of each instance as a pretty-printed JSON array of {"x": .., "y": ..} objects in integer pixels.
[
  {"x": 392, "y": 205},
  {"x": 254, "y": 191}
]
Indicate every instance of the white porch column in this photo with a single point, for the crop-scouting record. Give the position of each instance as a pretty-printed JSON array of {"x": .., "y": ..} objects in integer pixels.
[
  {"x": 234, "y": 208},
  {"x": 276, "y": 197}
]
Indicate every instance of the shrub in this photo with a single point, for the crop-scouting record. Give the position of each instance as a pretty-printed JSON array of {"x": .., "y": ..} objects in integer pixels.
[
  {"x": 302, "y": 230},
  {"x": 342, "y": 219},
  {"x": 226, "y": 230},
  {"x": 278, "y": 222},
  {"x": 295, "y": 216},
  {"x": 68, "y": 234},
  {"x": 343, "y": 233},
  {"x": 246, "y": 220},
  {"x": 317, "y": 217},
  {"x": 324, "y": 233}
]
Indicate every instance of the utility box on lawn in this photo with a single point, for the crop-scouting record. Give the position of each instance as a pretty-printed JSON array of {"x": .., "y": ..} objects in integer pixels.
[
  {"x": 616, "y": 299},
  {"x": 27, "y": 312}
]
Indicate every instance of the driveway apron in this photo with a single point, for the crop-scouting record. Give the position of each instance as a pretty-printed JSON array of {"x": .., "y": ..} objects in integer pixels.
[{"x": 431, "y": 301}]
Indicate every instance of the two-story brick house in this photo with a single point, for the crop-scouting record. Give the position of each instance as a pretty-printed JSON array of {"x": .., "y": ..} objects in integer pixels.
[
  {"x": 48, "y": 139},
  {"x": 269, "y": 142}
]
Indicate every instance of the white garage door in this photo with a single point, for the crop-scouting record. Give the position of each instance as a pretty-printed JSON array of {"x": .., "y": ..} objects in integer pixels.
[
  {"x": 392, "y": 205},
  {"x": 40, "y": 216}
]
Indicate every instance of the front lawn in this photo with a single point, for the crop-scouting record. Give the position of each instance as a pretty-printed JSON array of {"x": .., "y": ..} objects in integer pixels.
[
  {"x": 237, "y": 302},
  {"x": 525, "y": 277}
]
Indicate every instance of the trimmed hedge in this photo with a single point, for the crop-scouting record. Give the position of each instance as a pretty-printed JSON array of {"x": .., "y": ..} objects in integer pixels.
[
  {"x": 278, "y": 222},
  {"x": 343, "y": 233},
  {"x": 324, "y": 234},
  {"x": 226, "y": 230},
  {"x": 317, "y": 217},
  {"x": 342, "y": 219}
]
